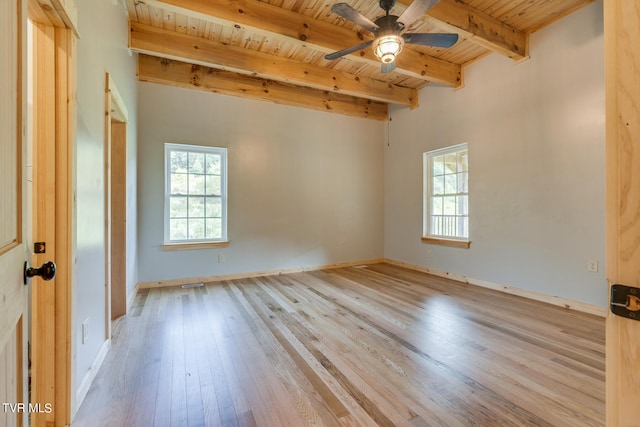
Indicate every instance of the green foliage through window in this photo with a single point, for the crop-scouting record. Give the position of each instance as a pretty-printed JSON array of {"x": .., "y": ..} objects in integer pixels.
[
  {"x": 446, "y": 198},
  {"x": 196, "y": 199}
]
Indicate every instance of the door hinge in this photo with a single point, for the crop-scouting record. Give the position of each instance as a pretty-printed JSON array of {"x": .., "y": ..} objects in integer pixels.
[{"x": 625, "y": 301}]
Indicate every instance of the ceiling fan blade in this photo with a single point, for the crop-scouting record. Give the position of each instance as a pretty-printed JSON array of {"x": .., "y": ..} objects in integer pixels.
[
  {"x": 343, "y": 52},
  {"x": 415, "y": 11},
  {"x": 349, "y": 13},
  {"x": 430, "y": 39},
  {"x": 388, "y": 67}
]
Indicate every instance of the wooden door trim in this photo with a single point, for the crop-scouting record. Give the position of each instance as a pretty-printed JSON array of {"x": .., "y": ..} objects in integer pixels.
[
  {"x": 622, "y": 60},
  {"x": 60, "y": 89},
  {"x": 65, "y": 214},
  {"x": 116, "y": 108},
  {"x": 43, "y": 224},
  {"x": 56, "y": 13}
]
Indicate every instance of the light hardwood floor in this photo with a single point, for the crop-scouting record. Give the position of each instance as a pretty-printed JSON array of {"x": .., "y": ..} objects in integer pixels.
[{"x": 380, "y": 345}]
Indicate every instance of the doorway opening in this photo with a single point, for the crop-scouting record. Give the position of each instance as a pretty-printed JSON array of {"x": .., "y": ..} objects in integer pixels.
[{"x": 115, "y": 203}]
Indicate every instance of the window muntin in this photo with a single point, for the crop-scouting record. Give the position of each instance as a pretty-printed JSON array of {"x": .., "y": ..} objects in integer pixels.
[
  {"x": 446, "y": 195},
  {"x": 195, "y": 194}
]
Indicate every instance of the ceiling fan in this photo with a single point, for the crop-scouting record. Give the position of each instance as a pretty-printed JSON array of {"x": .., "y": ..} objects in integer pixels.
[{"x": 388, "y": 31}]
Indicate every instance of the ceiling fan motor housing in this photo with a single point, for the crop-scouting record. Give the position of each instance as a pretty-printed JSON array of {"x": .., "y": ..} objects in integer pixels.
[
  {"x": 387, "y": 4},
  {"x": 388, "y": 25}
]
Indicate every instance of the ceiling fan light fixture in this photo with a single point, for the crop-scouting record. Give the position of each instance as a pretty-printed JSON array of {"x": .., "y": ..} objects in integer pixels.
[{"x": 387, "y": 47}]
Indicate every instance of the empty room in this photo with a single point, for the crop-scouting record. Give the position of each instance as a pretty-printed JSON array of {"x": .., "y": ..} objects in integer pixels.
[{"x": 320, "y": 213}]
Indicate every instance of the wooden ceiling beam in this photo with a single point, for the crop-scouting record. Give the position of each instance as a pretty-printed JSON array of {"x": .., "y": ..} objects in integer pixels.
[
  {"x": 479, "y": 28},
  {"x": 189, "y": 76},
  {"x": 210, "y": 53},
  {"x": 306, "y": 31}
]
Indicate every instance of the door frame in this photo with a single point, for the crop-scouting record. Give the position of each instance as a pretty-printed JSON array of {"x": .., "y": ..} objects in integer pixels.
[
  {"x": 54, "y": 220},
  {"x": 115, "y": 140},
  {"x": 622, "y": 62}
]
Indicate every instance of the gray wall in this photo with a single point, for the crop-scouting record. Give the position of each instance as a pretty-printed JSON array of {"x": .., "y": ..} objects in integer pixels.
[
  {"x": 305, "y": 187},
  {"x": 102, "y": 48},
  {"x": 536, "y": 137}
]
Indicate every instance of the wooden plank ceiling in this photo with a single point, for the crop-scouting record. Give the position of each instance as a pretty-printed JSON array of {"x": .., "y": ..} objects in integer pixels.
[{"x": 274, "y": 50}]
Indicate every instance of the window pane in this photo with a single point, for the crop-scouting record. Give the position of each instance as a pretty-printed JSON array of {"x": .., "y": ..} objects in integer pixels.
[
  {"x": 446, "y": 226},
  {"x": 449, "y": 205},
  {"x": 436, "y": 205},
  {"x": 447, "y": 177},
  {"x": 450, "y": 163},
  {"x": 196, "y": 207},
  {"x": 463, "y": 182},
  {"x": 214, "y": 228},
  {"x": 196, "y": 228},
  {"x": 213, "y": 164},
  {"x": 214, "y": 185},
  {"x": 178, "y": 207},
  {"x": 463, "y": 205},
  {"x": 463, "y": 157},
  {"x": 196, "y": 184},
  {"x": 450, "y": 186},
  {"x": 179, "y": 161},
  {"x": 438, "y": 185},
  {"x": 438, "y": 165},
  {"x": 196, "y": 162},
  {"x": 436, "y": 222},
  {"x": 178, "y": 229},
  {"x": 213, "y": 207},
  {"x": 179, "y": 183},
  {"x": 464, "y": 227}
]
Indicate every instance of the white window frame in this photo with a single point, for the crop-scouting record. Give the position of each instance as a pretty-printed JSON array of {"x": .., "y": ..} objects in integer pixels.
[
  {"x": 429, "y": 235},
  {"x": 191, "y": 243}
]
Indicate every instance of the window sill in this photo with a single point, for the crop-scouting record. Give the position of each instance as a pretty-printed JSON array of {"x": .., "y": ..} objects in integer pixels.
[
  {"x": 195, "y": 245},
  {"x": 465, "y": 244}
]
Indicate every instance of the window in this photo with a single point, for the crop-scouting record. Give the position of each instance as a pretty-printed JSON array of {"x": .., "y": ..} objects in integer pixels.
[
  {"x": 195, "y": 194},
  {"x": 446, "y": 196}
]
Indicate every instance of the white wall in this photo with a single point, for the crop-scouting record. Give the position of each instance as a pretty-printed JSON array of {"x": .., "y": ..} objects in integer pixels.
[
  {"x": 102, "y": 48},
  {"x": 305, "y": 187},
  {"x": 536, "y": 144}
]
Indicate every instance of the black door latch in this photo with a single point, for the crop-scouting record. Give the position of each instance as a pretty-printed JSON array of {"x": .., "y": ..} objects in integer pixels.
[{"x": 625, "y": 301}]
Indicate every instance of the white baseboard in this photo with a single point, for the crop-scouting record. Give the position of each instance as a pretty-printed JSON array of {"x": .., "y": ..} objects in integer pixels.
[
  {"x": 217, "y": 278},
  {"x": 537, "y": 296},
  {"x": 91, "y": 374}
]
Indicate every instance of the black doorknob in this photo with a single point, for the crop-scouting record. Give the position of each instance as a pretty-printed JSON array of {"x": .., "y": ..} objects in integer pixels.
[{"x": 47, "y": 271}]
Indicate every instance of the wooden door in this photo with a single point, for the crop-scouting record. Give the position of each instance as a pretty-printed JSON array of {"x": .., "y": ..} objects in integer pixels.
[
  {"x": 622, "y": 70},
  {"x": 13, "y": 253}
]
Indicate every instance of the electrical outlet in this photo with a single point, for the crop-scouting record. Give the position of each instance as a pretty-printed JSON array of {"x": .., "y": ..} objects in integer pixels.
[
  {"x": 592, "y": 266},
  {"x": 221, "y": 258},
  {"x": 85, "y": 331}
]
